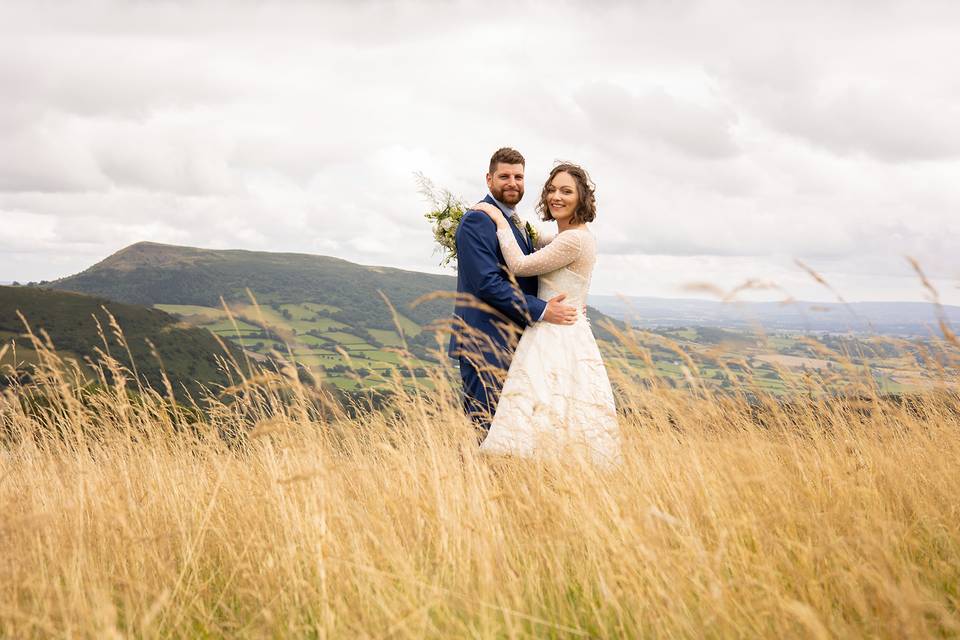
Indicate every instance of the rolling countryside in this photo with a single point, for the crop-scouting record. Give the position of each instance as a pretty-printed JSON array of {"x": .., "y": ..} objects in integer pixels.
[
  {"x": 349, "y": 324},
  {"x": 82, "y": 328},
  {"x": 357, "y": 327}
]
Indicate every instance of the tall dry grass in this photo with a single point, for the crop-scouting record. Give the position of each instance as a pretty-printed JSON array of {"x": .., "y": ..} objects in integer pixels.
[{"x": 275, "y": 514}]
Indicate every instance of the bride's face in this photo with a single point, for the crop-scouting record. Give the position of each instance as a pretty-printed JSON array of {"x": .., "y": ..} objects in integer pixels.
[{"x": 562, "y": 196}]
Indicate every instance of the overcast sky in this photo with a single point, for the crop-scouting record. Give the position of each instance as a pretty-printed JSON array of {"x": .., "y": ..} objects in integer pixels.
[{"x": 727, "y": 139}]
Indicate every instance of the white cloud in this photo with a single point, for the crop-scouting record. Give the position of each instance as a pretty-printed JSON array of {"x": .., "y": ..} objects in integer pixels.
[
  {"x": 726, "y": 138},
  {"x": 47, "y": 157}
]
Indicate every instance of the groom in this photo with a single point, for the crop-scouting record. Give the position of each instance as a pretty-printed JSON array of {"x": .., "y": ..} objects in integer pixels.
[{"x": 493, "y": 307}]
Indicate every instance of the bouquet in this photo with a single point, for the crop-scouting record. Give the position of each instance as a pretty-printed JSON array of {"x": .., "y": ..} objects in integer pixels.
[{"x": 445, "y": 216}]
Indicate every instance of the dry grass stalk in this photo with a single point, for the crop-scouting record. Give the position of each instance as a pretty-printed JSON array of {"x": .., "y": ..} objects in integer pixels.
[{"x": 272, "y": 513}]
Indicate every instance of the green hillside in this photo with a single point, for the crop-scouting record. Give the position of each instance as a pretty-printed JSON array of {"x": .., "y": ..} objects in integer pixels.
[
  {"x": 150, "y": 273},
  {"x": 328, "y": 315},
  {"x": 189, "y": 354},
  {"x": 324, "y": 312}
]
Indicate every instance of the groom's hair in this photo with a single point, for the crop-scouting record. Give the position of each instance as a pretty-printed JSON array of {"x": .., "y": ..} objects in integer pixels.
[
  {"x": 506, "y": 155},
  {"x": 587, "y": 200}
]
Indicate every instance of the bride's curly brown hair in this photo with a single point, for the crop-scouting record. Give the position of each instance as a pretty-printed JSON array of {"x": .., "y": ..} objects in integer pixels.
[{"x": 587, "y": 205}]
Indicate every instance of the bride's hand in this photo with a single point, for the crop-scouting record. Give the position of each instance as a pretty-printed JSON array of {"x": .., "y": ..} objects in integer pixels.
[{"x": 494, "y": 213}]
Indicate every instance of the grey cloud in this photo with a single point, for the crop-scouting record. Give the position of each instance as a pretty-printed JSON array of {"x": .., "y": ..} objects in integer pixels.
[
  {"x": 63, "y": 154},
  {"x": 297, "y": 126},
  {"x": 901, "y": 115},
  {"x": 370, "y": 23},
  {"x": 681, "y": 125},
  {"x": 42, "y": 158},
  {"x": 885, "y": 125},
  {"x": 178, "y": 159},
  {"x": 117, "y": 77}
]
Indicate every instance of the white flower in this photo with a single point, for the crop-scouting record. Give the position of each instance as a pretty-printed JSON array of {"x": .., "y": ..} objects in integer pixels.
[{"x": 446, "y": 225}]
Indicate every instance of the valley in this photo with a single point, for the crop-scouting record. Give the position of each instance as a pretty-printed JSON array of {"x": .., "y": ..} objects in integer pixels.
[
  {"x": 358, "y": 327},
  {"x": 346, "y": 356}
]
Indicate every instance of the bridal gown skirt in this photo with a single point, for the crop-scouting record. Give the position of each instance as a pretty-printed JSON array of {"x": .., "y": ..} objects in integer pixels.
[{"x": 556, "y": 401}]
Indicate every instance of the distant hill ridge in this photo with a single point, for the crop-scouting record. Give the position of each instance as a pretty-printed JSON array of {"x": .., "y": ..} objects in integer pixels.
[
  {"x": 151, "y": 273},
  {"x": 906, "y": 318}
]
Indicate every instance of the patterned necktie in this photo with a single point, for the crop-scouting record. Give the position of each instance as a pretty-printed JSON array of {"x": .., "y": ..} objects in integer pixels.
[{"x": 520, "y": 226}]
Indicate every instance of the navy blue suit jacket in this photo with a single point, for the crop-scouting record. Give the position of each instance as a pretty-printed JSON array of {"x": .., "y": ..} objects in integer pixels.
[{"x": 482, "y": 274}]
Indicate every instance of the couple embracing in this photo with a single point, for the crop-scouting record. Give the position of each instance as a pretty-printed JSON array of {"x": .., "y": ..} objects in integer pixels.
[{"x": 533, "y": 378}]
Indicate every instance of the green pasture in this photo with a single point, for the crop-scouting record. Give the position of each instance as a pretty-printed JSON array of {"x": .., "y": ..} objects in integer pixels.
[
  {"x": 387, "y": 356},
  {"x": 267, "y": 315},
  {"x": 307, "y": 310},
  {"x": 301, "y": 317},
  {"x": 409, "y": 327},
  {"x": 215, "y": 320},
  {"x": 323, "y": 324},
  {"x": 207, "y": 313},
  {"x": 314, "y": 307},
  {"x": 683, "y": 334},
  {"x": 359, "y": 346},
  {"x": 319, "y": 351},
  {"x": 345, "y": 338},
  {"x": 313, "y": 341},
  {"x": 343, "y": 382},
  {"x": 229, "y": 328},
  {"x": 387, "y": 338},
  {"x": 322, "y": 359}
]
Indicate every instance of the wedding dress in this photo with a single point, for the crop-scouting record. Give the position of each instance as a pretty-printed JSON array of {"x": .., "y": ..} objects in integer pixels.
[{"x": 556, "y": 399}]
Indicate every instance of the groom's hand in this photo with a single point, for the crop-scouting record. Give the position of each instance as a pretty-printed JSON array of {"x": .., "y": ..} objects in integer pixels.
[{"x": 559, "y": 313}]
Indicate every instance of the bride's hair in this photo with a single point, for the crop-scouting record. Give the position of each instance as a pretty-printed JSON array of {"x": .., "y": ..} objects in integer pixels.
[{"x": 587, "y": 205}]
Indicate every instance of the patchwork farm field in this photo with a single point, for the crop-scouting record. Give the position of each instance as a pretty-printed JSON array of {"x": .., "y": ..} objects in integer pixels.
[
  {"x": 347, "y": 357},
  {"x": 355, "y": 358}
]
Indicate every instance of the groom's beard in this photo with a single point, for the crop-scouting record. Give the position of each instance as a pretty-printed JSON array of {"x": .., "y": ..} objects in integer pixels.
[{"x": 509, "y": 197}]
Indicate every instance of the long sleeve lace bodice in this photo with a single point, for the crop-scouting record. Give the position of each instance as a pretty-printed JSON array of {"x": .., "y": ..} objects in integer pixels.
[
  {"x": 543, "y": 239},
  {"x": 573, "y": 248}
]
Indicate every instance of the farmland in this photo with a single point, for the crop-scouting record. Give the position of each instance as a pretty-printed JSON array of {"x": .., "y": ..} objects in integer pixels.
[{"x": 305, "y": 333}]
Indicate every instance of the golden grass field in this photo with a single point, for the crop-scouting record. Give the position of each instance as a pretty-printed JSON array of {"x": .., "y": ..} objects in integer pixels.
[{"x": 276, "y": 514}]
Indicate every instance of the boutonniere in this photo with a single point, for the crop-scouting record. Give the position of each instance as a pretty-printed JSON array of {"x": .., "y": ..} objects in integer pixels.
[{"x": 532, "y": 233}]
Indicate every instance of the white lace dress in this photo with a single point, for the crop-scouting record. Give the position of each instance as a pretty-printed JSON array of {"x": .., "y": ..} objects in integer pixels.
[{"x": 556, "y": 400}]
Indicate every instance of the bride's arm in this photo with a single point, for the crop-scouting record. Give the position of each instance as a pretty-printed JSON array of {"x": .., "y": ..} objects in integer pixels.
[{"x": 559, "y": 253}]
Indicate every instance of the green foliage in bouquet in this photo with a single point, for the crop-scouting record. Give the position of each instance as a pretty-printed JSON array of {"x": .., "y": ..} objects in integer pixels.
[{"x": 444, "y": 216}]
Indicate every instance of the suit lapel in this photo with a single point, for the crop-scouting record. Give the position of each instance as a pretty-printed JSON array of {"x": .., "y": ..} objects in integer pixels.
[{"x": 521, "y": 239}]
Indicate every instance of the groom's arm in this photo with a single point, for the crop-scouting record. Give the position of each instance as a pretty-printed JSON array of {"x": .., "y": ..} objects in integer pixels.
[{"x": 480, "y": 267}]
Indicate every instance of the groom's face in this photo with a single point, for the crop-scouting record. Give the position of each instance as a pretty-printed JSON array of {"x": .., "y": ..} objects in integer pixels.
[{"x": 506, "y": 183}]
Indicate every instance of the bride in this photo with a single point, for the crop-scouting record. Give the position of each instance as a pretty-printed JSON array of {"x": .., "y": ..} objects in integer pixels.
[{"x": 556, "y": 398}]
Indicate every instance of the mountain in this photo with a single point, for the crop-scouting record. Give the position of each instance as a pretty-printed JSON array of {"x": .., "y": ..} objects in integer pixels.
[
  {"x": 150, "y": 273},
  {"x": 891, "y": 318},
  {"x": 329, "y": 316},
  {"x": 189, "y": 354},
  {"x": 326, "y": 313}
]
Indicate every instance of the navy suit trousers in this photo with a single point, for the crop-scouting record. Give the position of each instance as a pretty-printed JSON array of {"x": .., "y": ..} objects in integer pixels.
[{"x": 481, "y": 391}]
